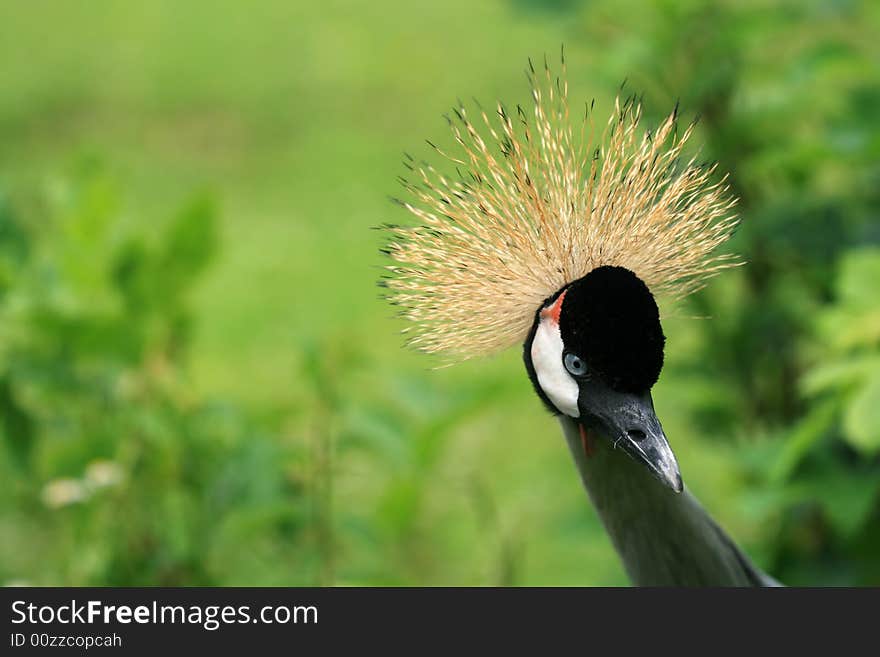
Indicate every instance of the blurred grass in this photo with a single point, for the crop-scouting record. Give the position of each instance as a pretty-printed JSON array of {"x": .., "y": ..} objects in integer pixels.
[
  {"x": 267, "y": 108},
  {"x": 292, "y": 117}
]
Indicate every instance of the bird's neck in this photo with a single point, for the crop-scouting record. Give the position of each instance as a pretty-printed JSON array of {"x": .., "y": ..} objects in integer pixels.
[{"x": 664, "y": 538}]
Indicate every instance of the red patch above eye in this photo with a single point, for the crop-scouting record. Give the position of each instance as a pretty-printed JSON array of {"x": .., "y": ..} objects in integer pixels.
[{"x": 552, "y": 311}]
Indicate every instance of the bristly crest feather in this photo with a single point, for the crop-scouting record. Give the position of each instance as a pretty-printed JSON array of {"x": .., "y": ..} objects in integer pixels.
[{"x": 535, "y": 206}]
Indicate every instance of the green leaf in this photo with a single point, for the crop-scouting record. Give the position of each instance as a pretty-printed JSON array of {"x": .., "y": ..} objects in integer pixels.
[
  {"x": 855, "y": 320},
  {"x": 858, "y": 278},
  {"x": 17, "y": 424},
  {"x": 805, "y": 435},
  {"x": 861, "y": 419},
  {"x": 188, "y": 247},
  {"x": 840, "y": 373},
  {"x": 847, "y": 498}
]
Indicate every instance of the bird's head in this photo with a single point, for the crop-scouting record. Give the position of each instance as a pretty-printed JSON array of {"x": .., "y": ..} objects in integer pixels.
[
  {"x": 562, "y": 240},
  {"x": 593, "y": 353}
]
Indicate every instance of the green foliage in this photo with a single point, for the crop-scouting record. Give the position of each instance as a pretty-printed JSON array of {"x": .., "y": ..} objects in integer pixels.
[
  {"x": 174, "y": 412},
  {"x": 850, "y": 359},
  {"x": 118, "y": 474},
  {"x": 826, "y": 478}
]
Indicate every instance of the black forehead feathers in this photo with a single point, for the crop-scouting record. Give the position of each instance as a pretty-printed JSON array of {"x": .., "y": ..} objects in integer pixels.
[{"x": 610, "y": 319}]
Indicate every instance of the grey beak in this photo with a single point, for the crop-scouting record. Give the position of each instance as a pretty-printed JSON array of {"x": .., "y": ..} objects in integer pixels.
[{"x": 630, "y": 423}]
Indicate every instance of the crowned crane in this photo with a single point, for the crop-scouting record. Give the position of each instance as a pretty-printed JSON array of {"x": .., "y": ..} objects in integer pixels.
[{"x": 557, "y": 238}]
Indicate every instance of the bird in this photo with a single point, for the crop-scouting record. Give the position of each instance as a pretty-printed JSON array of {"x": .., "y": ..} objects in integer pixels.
[{"x": 537, "y": 228}]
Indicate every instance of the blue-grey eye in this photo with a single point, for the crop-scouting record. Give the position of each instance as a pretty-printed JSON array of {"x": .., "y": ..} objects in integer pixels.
[{"x": 574, "y": 365}]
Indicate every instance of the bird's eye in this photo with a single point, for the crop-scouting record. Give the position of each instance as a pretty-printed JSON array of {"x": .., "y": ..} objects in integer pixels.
[{"x": 574, "y": 365}]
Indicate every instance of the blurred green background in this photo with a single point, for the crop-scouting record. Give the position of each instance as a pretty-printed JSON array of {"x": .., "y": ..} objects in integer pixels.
[{"x": 200, "y": 386}]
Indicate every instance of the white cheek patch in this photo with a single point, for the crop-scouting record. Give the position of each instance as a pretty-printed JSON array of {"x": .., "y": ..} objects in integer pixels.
[{"x": 555, "y": 381}]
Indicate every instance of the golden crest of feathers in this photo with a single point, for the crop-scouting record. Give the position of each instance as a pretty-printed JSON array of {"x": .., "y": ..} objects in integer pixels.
[{"x": 538, "y": 201}]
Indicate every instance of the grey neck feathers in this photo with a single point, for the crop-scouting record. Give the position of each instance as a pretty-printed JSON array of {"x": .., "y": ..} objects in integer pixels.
[{"x": 664, "y": 538}]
